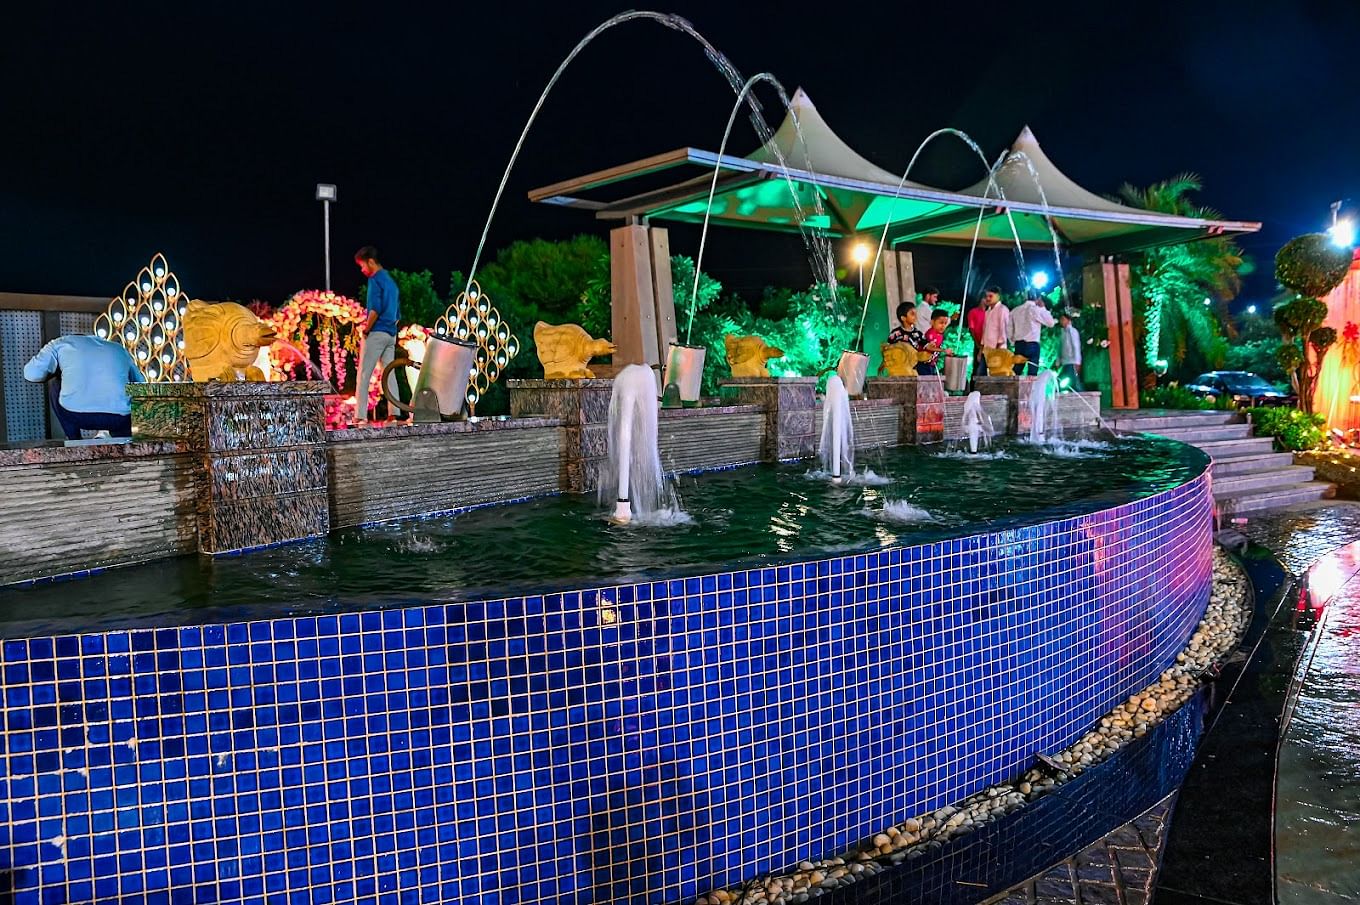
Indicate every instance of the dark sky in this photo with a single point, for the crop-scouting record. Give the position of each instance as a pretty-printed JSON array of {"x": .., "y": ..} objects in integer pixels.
[{"x": 200, "y": 129}]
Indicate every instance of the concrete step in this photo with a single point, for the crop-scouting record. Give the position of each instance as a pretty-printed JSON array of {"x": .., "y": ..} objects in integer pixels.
[
  {"x": 1222, "y": 449},
  {"x": 1235, "y": 465},
  {"x": 1156, "y": 420},
  {"x": 1231, "y": 504},
  {"x": 1261, "y": 480},
  {"x": 1196, "y": 435}
]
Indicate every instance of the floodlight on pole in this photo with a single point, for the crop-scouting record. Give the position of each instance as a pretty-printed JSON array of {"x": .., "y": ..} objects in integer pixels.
[
  {"x": 859, "y": 253},
  {"x": 326, "y": 193},
  {"x": 1039, "y": 280},
  {"x": 1343, "y": 233}
]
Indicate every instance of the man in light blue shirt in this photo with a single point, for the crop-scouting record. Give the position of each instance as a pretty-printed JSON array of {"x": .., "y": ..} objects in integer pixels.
[
  {"x": 88, "y": 379},
  {"x": 380, "y": 330}
]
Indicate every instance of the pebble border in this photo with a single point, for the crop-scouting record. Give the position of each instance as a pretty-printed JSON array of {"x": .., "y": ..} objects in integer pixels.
[{"x": 1219, "y": 632}]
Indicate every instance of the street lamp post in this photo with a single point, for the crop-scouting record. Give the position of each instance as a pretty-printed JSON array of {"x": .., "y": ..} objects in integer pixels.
[
  {"x": 326, "y": 194},
  {"x": 860, "y": 254}
]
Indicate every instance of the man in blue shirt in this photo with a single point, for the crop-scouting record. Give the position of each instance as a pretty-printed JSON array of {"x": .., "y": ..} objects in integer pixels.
[
  {"x": 88, "y": 388},
  {"x": 380, "y": 330}
]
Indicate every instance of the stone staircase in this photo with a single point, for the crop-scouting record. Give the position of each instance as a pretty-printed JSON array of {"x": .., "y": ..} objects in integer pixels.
[{"x": 1248, "y": 474}]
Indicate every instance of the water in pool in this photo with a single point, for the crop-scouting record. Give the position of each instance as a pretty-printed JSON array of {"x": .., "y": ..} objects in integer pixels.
[{"x": 754, "y": 514}]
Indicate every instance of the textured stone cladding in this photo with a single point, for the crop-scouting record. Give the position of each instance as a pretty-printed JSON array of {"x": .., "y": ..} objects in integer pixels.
[
  {"x": 706, "y": 438},
  {"x": 631, "y": 743},
  {"x": 789, "y": 404},
  {"x": 877, "y": 422},
  {"x": 67, "y": 510},
  {"x": 993, "y": 406},
  {"x": 261, "y": 449},
  {"x": 395, "y": 472},
  {"x": 922, "y": 401},
  {"x": 690, "y": 439}
]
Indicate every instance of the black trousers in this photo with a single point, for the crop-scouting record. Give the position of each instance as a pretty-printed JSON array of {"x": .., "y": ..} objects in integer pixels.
[{"x": 72, "y": 423}]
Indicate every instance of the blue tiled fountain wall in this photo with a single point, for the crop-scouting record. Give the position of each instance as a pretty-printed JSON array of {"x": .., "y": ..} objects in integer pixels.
[{"x": 635, "y": 743}]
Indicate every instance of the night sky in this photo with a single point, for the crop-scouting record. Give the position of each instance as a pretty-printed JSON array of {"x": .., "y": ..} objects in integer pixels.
[{"x": 201, "y": 129}]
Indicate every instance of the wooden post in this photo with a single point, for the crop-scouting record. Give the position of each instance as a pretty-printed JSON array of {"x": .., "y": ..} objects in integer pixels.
[
  {"x": 906, "y": 276},
  {"x": 1126, "y": 342},
  {"x": 662, "y": 290},
  {"x": 634, "y": 328},
  {"x": 1107, "y": 284}
]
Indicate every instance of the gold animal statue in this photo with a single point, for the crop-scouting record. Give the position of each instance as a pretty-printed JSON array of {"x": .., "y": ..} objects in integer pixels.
[
  {"x": 900, "y": 359},
  {"x": 747, "y": 355},
  {"x": 565, "y": 350},
  {"x": 222, "y": 341},
  {"x": 1002, "y": 362}
]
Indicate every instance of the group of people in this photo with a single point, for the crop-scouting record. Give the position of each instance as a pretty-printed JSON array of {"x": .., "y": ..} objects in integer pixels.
[
  {"x": 993, "y": 326},
  {"x": 87, "y": 377},
  {"x": 920, "y": 326}
]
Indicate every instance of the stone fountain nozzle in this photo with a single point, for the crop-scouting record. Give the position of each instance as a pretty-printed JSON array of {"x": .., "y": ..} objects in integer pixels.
[{"x": 623, "y": 512}]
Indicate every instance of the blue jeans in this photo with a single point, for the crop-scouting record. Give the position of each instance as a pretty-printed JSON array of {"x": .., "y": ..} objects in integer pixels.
[
  {"x": 1031, "y": 352},
  {"x": 926, "y": 369}
]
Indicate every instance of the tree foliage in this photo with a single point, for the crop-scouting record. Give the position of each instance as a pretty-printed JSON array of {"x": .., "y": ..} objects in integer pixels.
[
  {"x": 1312, "y": 265},
  {"x": 1170, "y": 284},
  {"x": 1300, "y": 322}
]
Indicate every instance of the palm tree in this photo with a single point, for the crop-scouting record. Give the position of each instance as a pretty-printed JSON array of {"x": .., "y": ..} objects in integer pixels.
[{"x": 1172, "y": 282}]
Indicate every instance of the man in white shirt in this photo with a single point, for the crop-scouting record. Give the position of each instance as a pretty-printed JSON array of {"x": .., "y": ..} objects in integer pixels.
[
  {"x": 1027, "y": 321},
  {"x": 1069, "y": 355},
  {"x": 996, "y": 324},
  {"x": 925, "y": 308}
]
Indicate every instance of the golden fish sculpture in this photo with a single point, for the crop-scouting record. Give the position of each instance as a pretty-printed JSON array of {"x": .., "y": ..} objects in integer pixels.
[
  {"x": 1002, "y": 362},
  {"x": 223, "y": 340},
  {"x": 565, "y": 350},
  {"x": 747, "y": 355},
  {"x": 900, "y": 359}
]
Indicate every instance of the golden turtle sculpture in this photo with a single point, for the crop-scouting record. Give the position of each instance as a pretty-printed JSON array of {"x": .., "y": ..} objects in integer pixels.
[
  {"x": 223, "y": 340},
  {"x": 747, "y": 355},
  {"x": 1002, "y": 362},
  {"x": 900, "y": 359},
  {"x": 565, "y": 350}
]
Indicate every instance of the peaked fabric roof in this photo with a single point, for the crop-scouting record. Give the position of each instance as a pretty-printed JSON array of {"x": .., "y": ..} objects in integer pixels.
[{"x": 832, "y": 188}]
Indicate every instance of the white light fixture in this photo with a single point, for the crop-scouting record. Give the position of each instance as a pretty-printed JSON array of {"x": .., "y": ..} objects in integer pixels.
[
  {"x": 1251, "y": 309},
  {"x": 326, "y": 192},
  {"x": 1343, "y": 233},
  {"x": 1039, "y": 280}
]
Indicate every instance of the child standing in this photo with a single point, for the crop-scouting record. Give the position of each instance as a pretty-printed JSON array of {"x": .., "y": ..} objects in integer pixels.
[
  {"x": 905, "y": 331},
  {"x": 934, "y": 342}
]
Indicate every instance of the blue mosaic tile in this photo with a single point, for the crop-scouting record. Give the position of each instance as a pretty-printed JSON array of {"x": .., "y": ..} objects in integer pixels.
[{"x": 634, "y": 743}]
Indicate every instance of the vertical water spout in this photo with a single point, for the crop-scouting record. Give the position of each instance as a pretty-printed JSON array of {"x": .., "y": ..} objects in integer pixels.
[
  {"x": 976, "y": 423},
  {"x": 1043, "y": 408},
  {"x": 836, "y": 448},
  {"x": 632, "y": 481}
]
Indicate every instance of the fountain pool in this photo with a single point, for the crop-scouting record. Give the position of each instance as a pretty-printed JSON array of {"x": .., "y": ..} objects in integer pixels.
[
  {"x": 530, "y": 704},
  {"x": 734, "y": 518}
]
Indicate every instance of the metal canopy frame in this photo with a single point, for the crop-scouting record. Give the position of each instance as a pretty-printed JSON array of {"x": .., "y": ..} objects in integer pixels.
[{"x": 1149, "y": 228}]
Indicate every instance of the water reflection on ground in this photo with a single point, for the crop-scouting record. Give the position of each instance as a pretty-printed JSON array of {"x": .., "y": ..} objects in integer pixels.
[{"x": 1317, "y": 830}]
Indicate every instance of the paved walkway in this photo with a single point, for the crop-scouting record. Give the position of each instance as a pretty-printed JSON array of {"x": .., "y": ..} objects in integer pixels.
[{"x": 1118, "y": 870}]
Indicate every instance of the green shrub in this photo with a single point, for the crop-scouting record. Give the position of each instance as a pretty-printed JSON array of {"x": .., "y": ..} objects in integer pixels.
[
  {"x": 1172, "y": 396},
  {"x": 1257, "y": 356},
  {"x": 1312, "y": 265},
  {"x": 1291, "y": 428}
]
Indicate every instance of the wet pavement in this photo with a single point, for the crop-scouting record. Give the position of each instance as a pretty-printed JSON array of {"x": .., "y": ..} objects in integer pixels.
[{"x": 1317, "y": 793}]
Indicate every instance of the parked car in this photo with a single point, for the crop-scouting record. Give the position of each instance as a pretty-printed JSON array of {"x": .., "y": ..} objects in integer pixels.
[{"x": 1243, "y": 387}]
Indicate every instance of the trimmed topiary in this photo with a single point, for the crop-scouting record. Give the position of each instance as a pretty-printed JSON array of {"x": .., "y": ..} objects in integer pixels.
[
  {"x": 1322, "y": 339},
  {"x": 1312, "y": 265},
  {"x": 1289, "y": 356}
]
